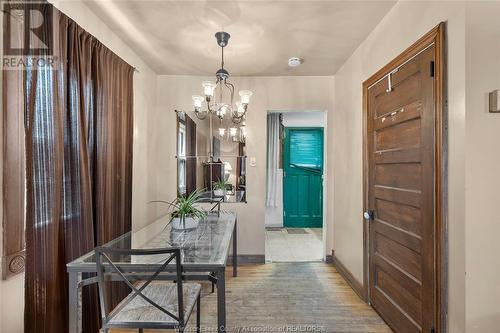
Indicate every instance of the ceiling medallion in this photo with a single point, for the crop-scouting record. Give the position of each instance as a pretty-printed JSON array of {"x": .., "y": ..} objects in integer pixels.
[{"x": 219, "y": 95}]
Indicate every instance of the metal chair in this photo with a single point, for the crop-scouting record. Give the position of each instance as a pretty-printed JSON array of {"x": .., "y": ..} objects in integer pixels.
[{"x": 152, "y": 304}]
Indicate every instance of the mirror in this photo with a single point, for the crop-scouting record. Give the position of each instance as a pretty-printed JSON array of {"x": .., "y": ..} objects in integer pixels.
[{"x": 211, "y": 156}]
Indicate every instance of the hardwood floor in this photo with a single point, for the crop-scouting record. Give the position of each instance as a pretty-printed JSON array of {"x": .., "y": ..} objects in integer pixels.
[{"x": 268, "y": 298}]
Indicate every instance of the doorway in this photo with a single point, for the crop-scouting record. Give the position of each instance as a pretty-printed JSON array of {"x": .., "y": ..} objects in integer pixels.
[
  {"x": 294, "y": 200},
  {"x": 403, "y": 105},
  {"x": 303, "y": 177}
]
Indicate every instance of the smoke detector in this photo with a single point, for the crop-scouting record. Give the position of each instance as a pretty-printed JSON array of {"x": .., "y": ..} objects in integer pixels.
[{"x": 295, "y": 61}]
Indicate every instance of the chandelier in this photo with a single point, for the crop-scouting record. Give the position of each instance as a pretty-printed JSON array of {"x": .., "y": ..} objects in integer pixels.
[{"x": 219, "y": 95}]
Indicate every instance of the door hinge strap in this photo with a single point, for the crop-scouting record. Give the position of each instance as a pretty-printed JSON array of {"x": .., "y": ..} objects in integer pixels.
[{"x": 432, "y": 68}]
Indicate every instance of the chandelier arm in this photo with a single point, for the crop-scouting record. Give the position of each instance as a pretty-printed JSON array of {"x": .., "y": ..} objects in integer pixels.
[
  {"x": 199, "y": 116},
  {"x": 230, "y": 86},
  {"x": 237, "y": 120},
  {"x": 209, "y": 107}
]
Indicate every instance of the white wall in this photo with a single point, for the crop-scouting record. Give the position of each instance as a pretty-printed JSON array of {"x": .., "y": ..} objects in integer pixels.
[
  {"x": 270, "y": 93},
  {"x": 403, "y": 25},
  {"x": 274, "y": 215},
  {"x": 304, "y": 119},
  {"x": 482, "y": 180},
  {"x": 12, "y": 290}
]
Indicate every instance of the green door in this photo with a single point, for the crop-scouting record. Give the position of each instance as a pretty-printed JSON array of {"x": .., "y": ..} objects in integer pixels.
[{"x": 303, "y": 177}]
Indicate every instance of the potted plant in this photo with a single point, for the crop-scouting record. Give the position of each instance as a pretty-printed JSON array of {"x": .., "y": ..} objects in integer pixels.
[
  {"x": 186, "y": 214},
  {"x": 220, "y": 187}
]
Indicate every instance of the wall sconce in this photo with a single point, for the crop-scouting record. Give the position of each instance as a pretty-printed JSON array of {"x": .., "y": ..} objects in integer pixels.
[{"x": 495, "y": 101}]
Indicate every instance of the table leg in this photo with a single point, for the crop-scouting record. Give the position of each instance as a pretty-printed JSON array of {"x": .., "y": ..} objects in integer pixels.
[
  {"x": 74, "y": 302},
  {"x": 221, "y": 300},
  {"x": 235, "y": 251}
]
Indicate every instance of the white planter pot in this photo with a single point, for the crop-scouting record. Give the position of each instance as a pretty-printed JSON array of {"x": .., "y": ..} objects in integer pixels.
[
  {"x": 219, "y": 193},
  {"x": 186, "y": 224}
]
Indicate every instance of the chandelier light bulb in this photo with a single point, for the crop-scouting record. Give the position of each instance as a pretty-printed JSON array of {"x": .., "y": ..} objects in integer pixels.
[
  {"x": 222, "y": 131},
  {"x": 245, "y": 96},
  {"x": 232, "y": 131},
  {"x": 197, "y": 101},
  {"x": 208, "y": 88},
  {"x": 240, "y": 109},
  {"x": 222, "y": 111}
]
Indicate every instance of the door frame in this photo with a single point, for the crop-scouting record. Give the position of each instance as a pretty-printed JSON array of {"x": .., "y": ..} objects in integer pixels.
[
  {"x": 283, "y": 150},
  {"x": 437, "y": 37},
  {"x": 327, "y": 227}
]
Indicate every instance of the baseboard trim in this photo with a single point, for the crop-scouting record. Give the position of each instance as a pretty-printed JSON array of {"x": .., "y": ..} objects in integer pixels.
[
  {"x": 277, "y": 225},
  {"x": 329, "y": 259},
  {"x": 349, "y": 278},
  {"x": 247, "y": 259}
]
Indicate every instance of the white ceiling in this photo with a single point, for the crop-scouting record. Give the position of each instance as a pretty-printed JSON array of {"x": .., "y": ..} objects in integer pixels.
[{"x": 177, "y": 37}]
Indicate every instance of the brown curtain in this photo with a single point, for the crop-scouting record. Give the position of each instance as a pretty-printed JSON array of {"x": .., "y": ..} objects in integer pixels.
[{"x": 78, "y": 167}]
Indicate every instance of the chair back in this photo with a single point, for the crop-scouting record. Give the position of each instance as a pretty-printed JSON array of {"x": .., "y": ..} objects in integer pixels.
[{"x": 109, "y": 270}]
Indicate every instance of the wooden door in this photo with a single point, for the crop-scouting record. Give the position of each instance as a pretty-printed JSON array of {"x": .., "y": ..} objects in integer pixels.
[
  {"x": 303, "y": 177},
  {"x": 401, "y": 141}
]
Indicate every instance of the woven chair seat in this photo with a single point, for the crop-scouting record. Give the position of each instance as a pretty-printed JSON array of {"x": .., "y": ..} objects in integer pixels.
[{"x": 163, "y": 293}]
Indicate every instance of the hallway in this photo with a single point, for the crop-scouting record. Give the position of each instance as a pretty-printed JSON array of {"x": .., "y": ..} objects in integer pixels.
[{"x": 311, "y": 297}]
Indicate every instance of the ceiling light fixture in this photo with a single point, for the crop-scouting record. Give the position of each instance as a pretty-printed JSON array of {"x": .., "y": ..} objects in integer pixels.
[{"x": 219, "y": 95}]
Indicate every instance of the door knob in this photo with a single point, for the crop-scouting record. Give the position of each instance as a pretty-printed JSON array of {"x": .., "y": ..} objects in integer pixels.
[{"x": 369, "y": 215}]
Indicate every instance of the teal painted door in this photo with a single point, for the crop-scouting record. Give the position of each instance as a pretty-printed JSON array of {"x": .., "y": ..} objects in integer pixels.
[{"x": 303, "y": 177}]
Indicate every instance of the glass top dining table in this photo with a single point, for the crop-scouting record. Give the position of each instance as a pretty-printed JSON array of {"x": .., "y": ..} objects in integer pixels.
[
  {"x": 204, "y": 249},
  {"x": 205, "y": 246}
]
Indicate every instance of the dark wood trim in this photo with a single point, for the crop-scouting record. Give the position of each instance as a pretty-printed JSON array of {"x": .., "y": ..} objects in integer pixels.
[
  {"x": 247, "y": 259},
  {"x": 437, "y": 37},
  {"x": 329, "y": 259},
  {"x": 349, "y": 278},
  {"x": 13, "y": 264},
  {"x": 14, "y": 176}
]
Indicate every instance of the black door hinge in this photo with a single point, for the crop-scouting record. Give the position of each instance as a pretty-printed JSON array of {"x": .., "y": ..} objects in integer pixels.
[{"x": 432, "y": 68}]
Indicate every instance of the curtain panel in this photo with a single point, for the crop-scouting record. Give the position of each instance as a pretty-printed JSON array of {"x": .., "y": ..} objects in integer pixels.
[
  {"x": 79, "y": 116},
  {"x": 273, "y": 158}
]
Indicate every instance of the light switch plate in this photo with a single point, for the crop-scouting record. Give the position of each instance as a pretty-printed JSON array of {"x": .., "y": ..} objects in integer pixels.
[
  {"x": 252, "y": 161},
  {"x": 495, "y": 101}
]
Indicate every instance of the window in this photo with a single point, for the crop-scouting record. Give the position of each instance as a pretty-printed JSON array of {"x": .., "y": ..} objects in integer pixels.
[{"x": 306, "y": 148}]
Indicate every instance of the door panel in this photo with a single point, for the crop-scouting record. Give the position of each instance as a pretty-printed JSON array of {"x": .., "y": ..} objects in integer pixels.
[
  {"x": 400, "y": 146},
  {"x": 404, "y": 175},
  {"x": 399, "y": 136},
  {"x": 402, "y": 217},
  {"x": 303, "y": 177}
]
